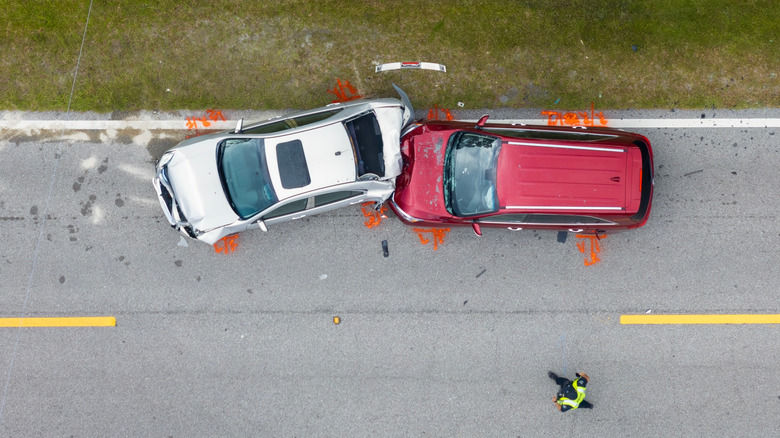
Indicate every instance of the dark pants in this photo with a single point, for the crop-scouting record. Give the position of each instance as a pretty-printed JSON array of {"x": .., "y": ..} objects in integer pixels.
[{"x": 560, "y": 381}]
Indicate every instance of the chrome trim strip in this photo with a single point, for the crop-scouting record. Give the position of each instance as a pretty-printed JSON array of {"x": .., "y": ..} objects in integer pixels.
[
  {"x": 540, "y": 207},
  {"x": 561, "y": 146},
  {"x": 400, "y": 211}
]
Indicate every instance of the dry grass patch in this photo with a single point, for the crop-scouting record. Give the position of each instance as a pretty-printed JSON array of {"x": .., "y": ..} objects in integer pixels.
[{"x": 166, "y": 54}]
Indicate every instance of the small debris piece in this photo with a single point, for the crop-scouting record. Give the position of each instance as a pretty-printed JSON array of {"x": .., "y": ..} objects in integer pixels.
[
  {"x": 336, "y": 320},
  {"x": 385, "y": 251},
  {"x": 480, "y": 274},
  {"x": 562, "y": 235}
]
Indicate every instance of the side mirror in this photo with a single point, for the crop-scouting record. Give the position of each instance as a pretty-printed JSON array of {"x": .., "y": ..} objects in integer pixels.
[
  {"x": 239, "y": 125},
  {"x": 261, "y": 224},
  {"x": 482, "y": 121},
  {"x": 477, "y": 230}
]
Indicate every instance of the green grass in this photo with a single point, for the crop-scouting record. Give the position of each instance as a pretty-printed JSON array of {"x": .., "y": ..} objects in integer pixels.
[{"x": 254, "y": 54}]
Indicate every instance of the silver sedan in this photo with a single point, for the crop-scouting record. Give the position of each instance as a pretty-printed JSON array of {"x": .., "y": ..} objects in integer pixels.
[{"x": 283, "y": 169}]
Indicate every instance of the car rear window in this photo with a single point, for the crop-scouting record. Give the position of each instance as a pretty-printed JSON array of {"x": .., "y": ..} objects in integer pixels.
[{"x": 366, "y": 140}]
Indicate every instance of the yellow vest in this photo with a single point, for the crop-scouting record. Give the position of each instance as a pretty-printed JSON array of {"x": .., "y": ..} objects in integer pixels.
[{"x": 574, "y": 404}]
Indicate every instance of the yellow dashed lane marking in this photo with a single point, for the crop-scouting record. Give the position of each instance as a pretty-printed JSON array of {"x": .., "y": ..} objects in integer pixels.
[
  {"x": 700, "y": 319},
  {"x": 86, "y": 321}
]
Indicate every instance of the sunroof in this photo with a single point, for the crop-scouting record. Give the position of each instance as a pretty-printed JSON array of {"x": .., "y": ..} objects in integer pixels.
[{"x": 293, "y": 170}]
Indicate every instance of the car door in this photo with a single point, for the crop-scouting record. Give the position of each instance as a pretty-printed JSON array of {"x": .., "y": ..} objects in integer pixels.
[
  {"x": 286, "y": 211},
  {"x": 511, "y": 221},
  {"x": 336, "y": 199},
  {"x": 311, "y": 204},
  {"x": 519, "y": 221},
  {"x": 572, "y": 223}
]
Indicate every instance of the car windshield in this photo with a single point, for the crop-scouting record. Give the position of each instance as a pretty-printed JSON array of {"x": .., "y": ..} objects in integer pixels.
[
  {"x": 244, "y": 175},
  {"x": 366, "y": 140},
  {"x": 470, "y": 174}
]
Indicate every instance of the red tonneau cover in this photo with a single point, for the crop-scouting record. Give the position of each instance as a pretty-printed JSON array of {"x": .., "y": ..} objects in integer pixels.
[{"x": 563, "y": 176}]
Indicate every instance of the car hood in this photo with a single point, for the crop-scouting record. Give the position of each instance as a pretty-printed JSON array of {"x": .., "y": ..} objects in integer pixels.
[
  {"x": 390, "y": 121},
  {"x": 563, "y": 176},
  {"x": 419, "y": 189},
  {"x": 201, "y": 198}
]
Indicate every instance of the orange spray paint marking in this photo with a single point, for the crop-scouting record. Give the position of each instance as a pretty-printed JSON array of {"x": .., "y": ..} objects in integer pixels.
[
  {"x": 374, "y": 217},
  {"x": 226, "y": 244},
  {"x": 344, "y": 91},
  {"x": 595, "y": 248},
  {"x": 555, "y": 118},
  {"x": 192, "y": 122},
  {"x": 437, "y": 234},
  {"x": 215, "y": 115},
  {"x": 433, "y": 113}
]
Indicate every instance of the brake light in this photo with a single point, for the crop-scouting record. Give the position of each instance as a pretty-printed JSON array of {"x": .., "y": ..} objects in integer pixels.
[{"x": 640, "y": 180}]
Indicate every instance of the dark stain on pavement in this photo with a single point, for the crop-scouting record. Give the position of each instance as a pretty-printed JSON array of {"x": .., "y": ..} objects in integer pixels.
[{"x": 77, "y": 184}]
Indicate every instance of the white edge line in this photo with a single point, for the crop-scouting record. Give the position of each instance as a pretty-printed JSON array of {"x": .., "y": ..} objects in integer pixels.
[
  {"x": 173, "y": 125},
  {"x": 658, "y": 123}
]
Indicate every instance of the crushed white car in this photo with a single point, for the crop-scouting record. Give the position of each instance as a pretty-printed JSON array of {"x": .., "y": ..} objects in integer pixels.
[{"x": 283, "y": 169}]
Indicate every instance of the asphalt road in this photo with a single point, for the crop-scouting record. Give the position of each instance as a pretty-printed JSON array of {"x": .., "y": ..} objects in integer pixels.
[{"x": 452, "y": 342}]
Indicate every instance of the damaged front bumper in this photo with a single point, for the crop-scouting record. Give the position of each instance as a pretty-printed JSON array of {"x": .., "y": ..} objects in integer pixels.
[{"x": 169, "y": 206}]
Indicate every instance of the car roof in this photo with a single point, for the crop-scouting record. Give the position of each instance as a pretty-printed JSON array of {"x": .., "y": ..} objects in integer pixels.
[
  {"x": 565, "y": 176},
  {"x": 325, "y": 152}
]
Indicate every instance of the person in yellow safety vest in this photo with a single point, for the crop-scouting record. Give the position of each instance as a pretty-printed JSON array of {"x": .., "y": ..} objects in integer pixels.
[{"x": 571, "y": 395}]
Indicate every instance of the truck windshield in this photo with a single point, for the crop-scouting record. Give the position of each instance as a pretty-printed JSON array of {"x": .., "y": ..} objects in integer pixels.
[{"x": 470, "y": 174}]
